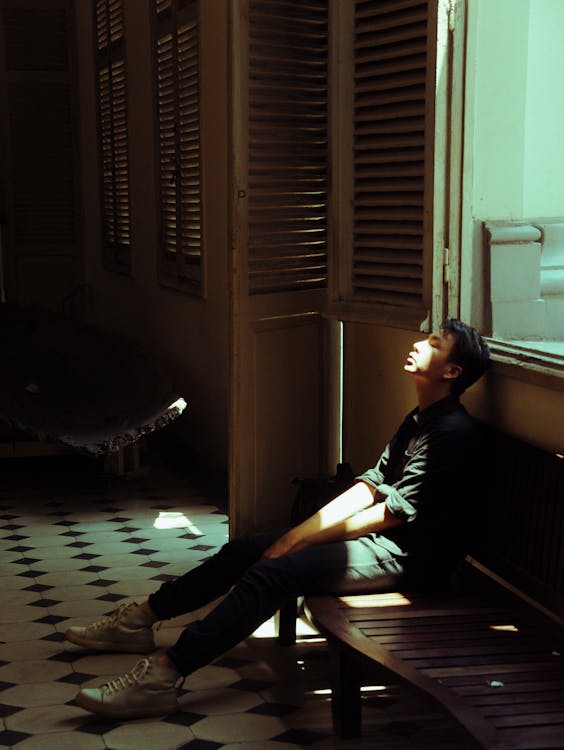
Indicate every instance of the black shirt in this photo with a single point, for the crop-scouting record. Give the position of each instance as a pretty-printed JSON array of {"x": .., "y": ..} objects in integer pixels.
[{"x": 428, "y": 475}]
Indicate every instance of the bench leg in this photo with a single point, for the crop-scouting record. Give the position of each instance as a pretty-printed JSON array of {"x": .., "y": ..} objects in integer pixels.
[
  {"x": 287, "y": 617},
  {"x": 345, "y": 687}
]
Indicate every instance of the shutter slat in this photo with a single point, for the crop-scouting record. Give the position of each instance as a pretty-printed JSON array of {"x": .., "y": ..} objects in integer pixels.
[
  {"x": 375, "y": 66},
  {"x": 369, "y": 9},
  {"x": 397, "y": 125},
  {"x": 395, "y": 284},
  {"x": 162, "y": 5},
  {"x": 395, "y": 51},
  {"x": 393, "y": 20}
]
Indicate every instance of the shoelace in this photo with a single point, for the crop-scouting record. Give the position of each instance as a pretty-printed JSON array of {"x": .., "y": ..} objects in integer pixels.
[
  {"x": 129, "y": 679},
  {"x": 135, "y": 677},
  {"x": 111, "y": 619}
]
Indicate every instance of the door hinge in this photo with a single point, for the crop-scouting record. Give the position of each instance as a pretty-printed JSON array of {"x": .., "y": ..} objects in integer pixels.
[
  {"x": 451, "y": 13},
  {"x": 446, "y": 266}
]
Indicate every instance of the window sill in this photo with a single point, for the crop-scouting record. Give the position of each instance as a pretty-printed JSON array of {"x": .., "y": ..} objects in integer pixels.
[{"x": 537, "y": 362}]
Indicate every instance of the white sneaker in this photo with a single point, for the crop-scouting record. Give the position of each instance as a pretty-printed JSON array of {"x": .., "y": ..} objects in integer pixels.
[
  {"x": 128, "y": 629},
  {"x": 150, "y": 689}
]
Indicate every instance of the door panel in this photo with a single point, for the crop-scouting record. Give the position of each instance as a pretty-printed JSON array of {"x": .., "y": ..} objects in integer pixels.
[
  {"x": 278, "y": 408},
  {"x": 287, "y": 360},
  {"x": 278, "y": 254}
]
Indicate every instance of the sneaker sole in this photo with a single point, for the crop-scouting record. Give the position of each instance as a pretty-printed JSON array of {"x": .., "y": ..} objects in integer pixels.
[
  {"x": 119, "y": 712},
  {"x": 125, "y": 648}
]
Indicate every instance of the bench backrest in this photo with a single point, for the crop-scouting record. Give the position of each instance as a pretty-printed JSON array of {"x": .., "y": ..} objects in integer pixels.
[{"x": 522, "y": 537}]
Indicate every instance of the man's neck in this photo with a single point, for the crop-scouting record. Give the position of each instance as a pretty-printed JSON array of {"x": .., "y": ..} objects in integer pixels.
[{"x": 430, "y": 394}]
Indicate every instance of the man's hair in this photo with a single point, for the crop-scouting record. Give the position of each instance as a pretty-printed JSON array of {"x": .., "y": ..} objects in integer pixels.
[{"x": 469, "y": 351}]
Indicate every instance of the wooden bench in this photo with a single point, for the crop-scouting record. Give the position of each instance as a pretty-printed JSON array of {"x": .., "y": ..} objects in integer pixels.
[
  {"x": 491, "y": 653},
  {"x": 493, "y": 662}
]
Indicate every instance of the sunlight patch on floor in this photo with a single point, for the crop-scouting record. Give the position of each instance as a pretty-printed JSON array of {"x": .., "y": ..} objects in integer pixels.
[{"x": 175, "y": 520}]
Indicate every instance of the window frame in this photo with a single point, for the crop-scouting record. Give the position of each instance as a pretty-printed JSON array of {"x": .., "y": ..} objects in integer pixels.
[
  {"x": 526, "y": 364},
  {"x": 509, "y": 358}
]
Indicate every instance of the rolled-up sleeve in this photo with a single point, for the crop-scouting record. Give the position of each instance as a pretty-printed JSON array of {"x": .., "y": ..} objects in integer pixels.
[
  {"x": 375, "y": 477},
  {"x": 429, "y": 460}
]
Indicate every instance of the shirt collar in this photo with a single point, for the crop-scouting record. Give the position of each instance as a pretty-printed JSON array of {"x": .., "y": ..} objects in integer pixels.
[{"x": 445, "y": 405}]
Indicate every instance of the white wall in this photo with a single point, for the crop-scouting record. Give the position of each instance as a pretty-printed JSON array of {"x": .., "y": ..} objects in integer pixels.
[
  {"x": 514, "y": 135},
  {"x": 515, "y": 66},
  {"x": 543, "y": 175},
  {"x": 497, "y": 83}
]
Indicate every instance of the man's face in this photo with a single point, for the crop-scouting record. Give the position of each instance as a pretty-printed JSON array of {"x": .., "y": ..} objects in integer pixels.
[{"x": 429, "y": 358}]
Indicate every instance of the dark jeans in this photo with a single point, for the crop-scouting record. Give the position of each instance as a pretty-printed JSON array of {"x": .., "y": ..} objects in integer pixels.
[{"x": 258, "y": 588}]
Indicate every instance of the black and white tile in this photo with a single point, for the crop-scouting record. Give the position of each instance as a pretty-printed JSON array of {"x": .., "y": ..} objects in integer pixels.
[{"x": 71, "y": 551}]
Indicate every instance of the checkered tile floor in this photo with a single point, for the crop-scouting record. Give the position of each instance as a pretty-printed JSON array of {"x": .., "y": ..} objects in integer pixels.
[{"x": 72, "y": 549}]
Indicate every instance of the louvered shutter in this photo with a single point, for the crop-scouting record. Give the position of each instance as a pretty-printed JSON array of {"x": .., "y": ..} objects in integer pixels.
[
  {"x": 288, "y": 145},
  {"x": 112, "y": 104},
  {"x": 390, "y": 118},
  {"x": 178, "y": 101}
]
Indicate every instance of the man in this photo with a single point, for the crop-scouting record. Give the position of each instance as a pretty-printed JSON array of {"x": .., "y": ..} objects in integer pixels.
[{"x": 404, "y": 521}]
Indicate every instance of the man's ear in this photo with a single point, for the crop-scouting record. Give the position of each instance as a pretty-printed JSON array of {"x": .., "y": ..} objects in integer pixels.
[{"x": 452, "y": 371}]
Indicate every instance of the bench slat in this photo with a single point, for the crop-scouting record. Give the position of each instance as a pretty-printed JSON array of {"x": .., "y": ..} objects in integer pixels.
[
  {"x": 521, "y": 650},
  {"x": 528, "y": 707},
  {"x": 464, "y": 661},
  {"x": 470, "y": 639},
  {"x": 435, "y": 617},
  {"x": 557, "y": 686},
  {"x": 462, "y": 628},
  {"x": 553, "y": 719},
  {"x": 468, "y": 673}
]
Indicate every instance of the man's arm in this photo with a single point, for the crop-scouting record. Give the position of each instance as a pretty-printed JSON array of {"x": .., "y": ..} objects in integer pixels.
[{"x": 350, "y": 515}]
